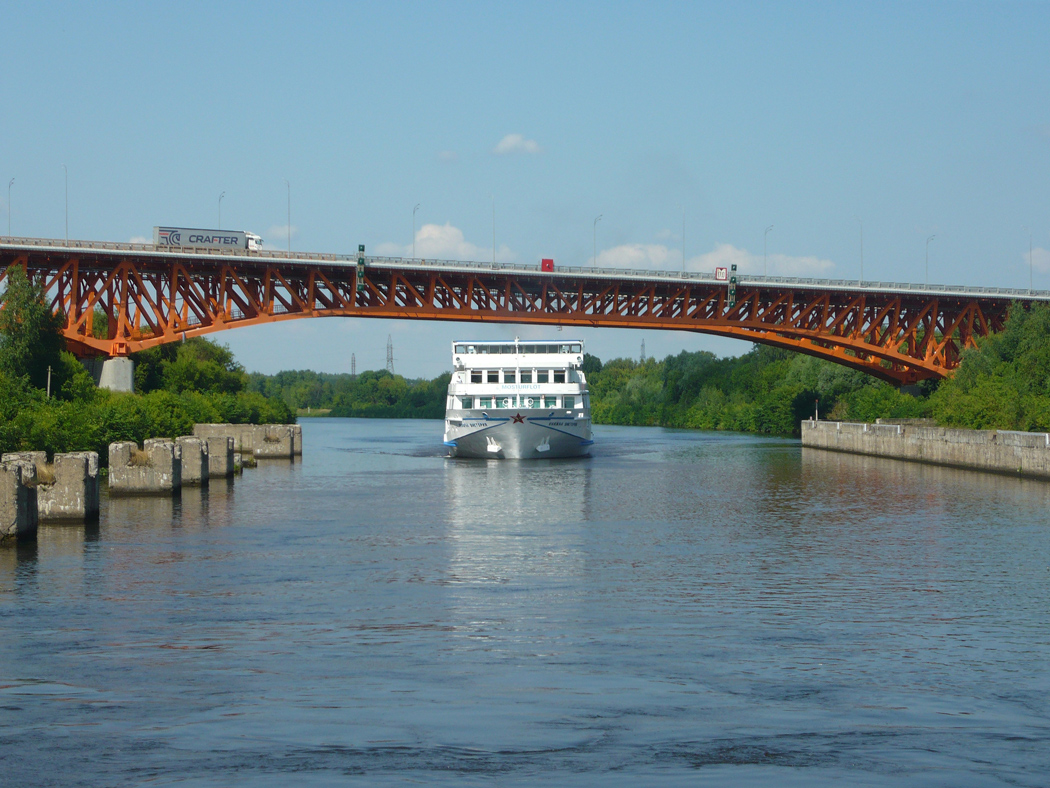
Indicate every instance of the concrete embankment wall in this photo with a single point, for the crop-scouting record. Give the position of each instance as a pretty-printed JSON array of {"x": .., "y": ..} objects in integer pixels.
[{"x": 1002, "y": 451}]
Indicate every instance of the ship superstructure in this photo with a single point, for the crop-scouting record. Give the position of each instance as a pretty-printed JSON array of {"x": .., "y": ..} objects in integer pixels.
[{"x": 518, "y": 400}]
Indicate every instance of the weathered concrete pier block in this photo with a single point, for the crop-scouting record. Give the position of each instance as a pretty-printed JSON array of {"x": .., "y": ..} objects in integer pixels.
[
  {"x": 195, "y": 465},
  {"x": 18, "y": 500},
  {"x": 73, "y": 495},
  {"x": 260, "y": 440},
  {"x": 67, "y": 489},
  {"x": 220, "y": 456},
  {"x": 297, "y": 440},
  {"x": 274, "y": 441},
  {"x": 154, "y": 469}
]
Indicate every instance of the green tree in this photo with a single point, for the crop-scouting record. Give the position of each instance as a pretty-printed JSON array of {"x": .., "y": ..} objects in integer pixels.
[{"x": 30, "y": 335}]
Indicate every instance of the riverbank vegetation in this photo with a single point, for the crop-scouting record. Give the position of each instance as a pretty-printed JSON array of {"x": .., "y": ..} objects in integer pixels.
[{"x": 176, "y": 385}]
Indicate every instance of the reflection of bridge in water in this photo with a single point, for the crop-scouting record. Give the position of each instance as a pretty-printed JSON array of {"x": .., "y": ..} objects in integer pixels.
[{"x": 149, "y": 296}]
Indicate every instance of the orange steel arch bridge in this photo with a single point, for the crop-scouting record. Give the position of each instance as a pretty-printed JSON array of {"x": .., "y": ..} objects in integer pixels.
[{"x": 151, "y": 295}]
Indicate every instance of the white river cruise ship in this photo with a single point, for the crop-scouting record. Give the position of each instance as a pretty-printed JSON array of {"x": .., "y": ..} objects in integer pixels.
[{"x": 518, "y": 400}]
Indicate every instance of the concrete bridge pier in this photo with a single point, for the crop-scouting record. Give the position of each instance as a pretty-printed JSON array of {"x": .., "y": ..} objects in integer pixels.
[{"x": 115, "y": 374}]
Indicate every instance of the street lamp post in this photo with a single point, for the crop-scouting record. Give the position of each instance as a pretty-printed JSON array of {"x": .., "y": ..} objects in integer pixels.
[
  {"x": 66, "y": 170},
  {"x": 928, "y": 257},
  {"x": 594, "y": 238},
  {"x": 10, "y": 183},
  {"x": 414, "y": 227},
  {"x": 1031, "y": 277},
  {"x": 289, "y": 227},
  {"x": 220, "y": 211},
  {"x": 683, "y": 240},
  {"x": 861, "y": 248},
  {"x": 764, "y": 248}
]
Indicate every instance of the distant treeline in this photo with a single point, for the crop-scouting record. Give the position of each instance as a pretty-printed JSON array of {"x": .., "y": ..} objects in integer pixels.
[
  {"x": 380, "y": 395},
  {"x": 1004, "y": 383}
]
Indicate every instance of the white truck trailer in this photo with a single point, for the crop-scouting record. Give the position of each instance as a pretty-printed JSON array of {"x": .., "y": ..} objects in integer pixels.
[{"x": 188, "y": 238}]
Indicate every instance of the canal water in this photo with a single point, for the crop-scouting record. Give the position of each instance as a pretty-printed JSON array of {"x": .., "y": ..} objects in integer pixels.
[{"x": 682, "y": 608}]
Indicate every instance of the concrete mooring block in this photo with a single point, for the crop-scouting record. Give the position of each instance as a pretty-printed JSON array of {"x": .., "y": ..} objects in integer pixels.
[
  {"x": 274, "y": 441},
  {"x": 67, "y": 488},
  {"x": 220, "y": 456},
  {"x": 18, "y": 501},
  {"x": 195, "y": 465},
  {"x": 259, "y": 440},
  {"x": 155, "y": 469}
]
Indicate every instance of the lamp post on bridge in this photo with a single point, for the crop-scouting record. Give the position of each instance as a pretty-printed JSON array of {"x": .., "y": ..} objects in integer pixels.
[
  {"x": 683, "y": 239},
  {"x": 286, "y": 183},
  {"x": 928, "y": 257},
  {"x": 414, "y": 227},
  {"x": 219, "y": 227},
  {"x": 764, "y": 247},
  {"x": 861, "y": 248},
  {"x": 1031, "y": 276},
  {"x": 10, "y": 183},
  {"x": 66, "y": 170},
  {"x": 594, "y": 238}
]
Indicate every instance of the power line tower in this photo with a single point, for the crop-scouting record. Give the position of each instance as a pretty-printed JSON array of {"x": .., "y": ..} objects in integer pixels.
[
  {"x": 643, "y": 351},
  {"x": 390, "y": 354},
  {"x": 353, "y": 367}
]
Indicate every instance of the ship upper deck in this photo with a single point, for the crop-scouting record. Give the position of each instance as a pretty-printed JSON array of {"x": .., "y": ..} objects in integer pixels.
[{"x": 535, "y": 353}]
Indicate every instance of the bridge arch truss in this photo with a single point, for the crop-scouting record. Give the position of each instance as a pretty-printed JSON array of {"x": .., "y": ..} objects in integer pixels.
[{"x": 146, "y": 297}]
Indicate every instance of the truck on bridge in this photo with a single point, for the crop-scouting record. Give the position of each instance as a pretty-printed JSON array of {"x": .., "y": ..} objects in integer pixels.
[{"x": 188, "y": 238}]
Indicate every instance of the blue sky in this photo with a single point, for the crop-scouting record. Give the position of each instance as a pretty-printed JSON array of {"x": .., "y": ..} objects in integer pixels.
[{"x": 820, "y": 119}]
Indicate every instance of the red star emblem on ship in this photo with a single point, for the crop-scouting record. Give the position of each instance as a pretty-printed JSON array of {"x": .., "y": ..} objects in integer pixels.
[{"x": 519, "y": 419}]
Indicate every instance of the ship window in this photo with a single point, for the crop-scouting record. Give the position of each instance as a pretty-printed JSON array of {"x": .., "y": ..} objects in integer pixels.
[
  {"x": 542, "y": 376},
  {"x": 570, "y": 402},
  {"x": 550, "y": 402},
  {"x": 529, "y": 349},
  {"x": 508, "y": 376},
  {"x": 493, "y": 376},
  {"x": 475, "y": 376},
  {"x": 563, "y": 349},
  {"x": 484, "y": 402},
  {"x": 468, "y": 403},
  {"x": 461, "y": 348},
  {"x": 576, "y": 348},
  {"x": 526, "y": 376},
  {"x": 552, "y": 348},
  {"x": 559, "y": 376}
]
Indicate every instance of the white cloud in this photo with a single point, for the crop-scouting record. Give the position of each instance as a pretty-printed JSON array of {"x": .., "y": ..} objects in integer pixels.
[
  {"x": 444, "y": 242},
  {"x": 661, "y": 257},
  {"x": 725, "y": 255},
  {"x": 277, "y": 236},
  {"x": 1040, "y": 260},
  {"x": 639, "y": 256},
  {"x": 516, "y": 143},
  {"x": 448, "y": 155}
]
